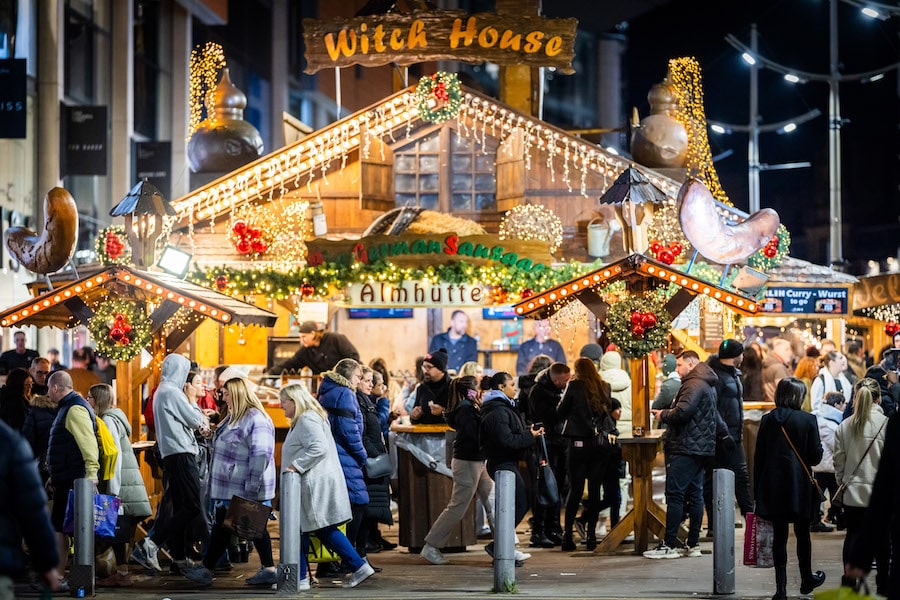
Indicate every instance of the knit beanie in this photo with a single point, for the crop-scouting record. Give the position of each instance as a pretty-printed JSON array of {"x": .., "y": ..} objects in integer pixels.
[{"x": 438, "y": 359}]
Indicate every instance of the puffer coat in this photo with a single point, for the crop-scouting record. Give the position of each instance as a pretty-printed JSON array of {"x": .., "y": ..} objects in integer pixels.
[
  {"x": 692, "y": 422},
  {"x": 338, "y": 397}
]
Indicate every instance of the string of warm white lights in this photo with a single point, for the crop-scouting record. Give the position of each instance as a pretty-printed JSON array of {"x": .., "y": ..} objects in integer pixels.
[{"x": 205, "y": 66}]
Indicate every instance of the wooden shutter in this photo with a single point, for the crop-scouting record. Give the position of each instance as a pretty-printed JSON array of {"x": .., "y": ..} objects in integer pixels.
[
  {"x": 376, "y": 176},
  {"x": 511, "y": 171}
]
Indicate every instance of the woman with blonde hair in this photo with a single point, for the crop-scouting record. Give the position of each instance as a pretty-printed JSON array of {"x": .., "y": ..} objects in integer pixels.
[
  {"x": 858, "y": 444},
  {"x": 243, "y": 464},
  {"x": 309, "y": 449},
  {"x": 126, "y": 482}
]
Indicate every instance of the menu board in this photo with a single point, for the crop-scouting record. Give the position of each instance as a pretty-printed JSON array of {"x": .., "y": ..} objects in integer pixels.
[{"x": 806, "y": 300}]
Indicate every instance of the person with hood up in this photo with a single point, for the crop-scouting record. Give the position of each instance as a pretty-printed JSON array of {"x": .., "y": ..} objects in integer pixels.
[
  {"x": 504, "y": 440},
  {"x": 829, "y": 416},
  {"x": 613, "y": 373},
  {"x": 690, "y": 444},
  {"x": 730, "y": 404},
  {"x": 126, "y": 482},
  {"x": 784, "y": 494},
  {"x": 176, "y": 420},
  {"x": 337, "y": 395}
]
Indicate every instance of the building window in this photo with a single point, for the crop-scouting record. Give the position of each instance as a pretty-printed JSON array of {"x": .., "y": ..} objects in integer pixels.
[{"x": 464, "y": 184}]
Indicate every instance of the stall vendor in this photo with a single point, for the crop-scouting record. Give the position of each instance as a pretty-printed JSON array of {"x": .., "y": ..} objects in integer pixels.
[{"x": 319, "y": 350}]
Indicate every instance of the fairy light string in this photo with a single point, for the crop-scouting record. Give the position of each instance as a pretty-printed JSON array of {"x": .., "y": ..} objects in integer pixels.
[{"x": 205, "y": 65}]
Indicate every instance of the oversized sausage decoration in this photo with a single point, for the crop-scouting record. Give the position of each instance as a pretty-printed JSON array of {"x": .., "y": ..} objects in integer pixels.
[
  {"x": 50, "y": 251},
  {"x": 708, "y": 232}
]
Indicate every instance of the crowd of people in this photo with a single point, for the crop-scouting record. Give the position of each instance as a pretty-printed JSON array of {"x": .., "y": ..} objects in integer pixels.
[{"x": 831, "y": 424}]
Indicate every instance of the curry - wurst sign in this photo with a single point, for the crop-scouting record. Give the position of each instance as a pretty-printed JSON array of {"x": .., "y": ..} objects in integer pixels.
[{"x": 407, "y": 38}]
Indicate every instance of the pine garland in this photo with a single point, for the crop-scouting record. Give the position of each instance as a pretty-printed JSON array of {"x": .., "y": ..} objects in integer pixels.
[
  {"x": 120, "y": 329},
  {"x": 772, "y": 254},
  {"x": 619, "y": 324}
]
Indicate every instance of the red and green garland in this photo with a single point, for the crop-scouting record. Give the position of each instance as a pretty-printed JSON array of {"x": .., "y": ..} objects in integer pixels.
[
  {"x": 638, "y": 324},
  {"x": 120, "y": 329},
  {"x": 111, "y": 246},
  {"x": 438, "y": 97},
  {"x": 773, "y": 253}
]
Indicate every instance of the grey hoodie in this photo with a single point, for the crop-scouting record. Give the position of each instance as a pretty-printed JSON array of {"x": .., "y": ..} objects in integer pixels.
[{"x": 176, "y": 418}]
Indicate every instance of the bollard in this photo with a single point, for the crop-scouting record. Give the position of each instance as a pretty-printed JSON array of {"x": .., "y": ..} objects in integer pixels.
[
  {"x": 289, "y": 526},
  {"x": 81, "y": 576},
  {"x": 505, "y": 533},
  {"x": 723, "y": 531}
]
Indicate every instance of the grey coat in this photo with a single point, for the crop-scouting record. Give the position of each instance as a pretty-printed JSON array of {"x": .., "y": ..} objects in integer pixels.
[
  {"x": 127, "y": 483},
  {"x": 309, "y": 447}
]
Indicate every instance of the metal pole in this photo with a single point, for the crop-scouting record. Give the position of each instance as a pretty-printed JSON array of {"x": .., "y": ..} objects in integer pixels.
[
  {"x": 81, "y": 576},
  {"x": 753, "y": 144},
  {"x": 289, "y": 526},
  {"x": 505, "y": 533},
  {"x": 337, "y": 92},
  {"x": 835, "y": 245},
  {"x": 723, "y": 531}
]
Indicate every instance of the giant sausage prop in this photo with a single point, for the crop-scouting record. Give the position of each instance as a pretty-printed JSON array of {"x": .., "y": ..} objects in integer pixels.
[{"x": 50, "y": 251}]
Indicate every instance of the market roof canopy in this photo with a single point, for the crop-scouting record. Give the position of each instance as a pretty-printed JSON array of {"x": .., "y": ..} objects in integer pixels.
[
  {"x": 634, "y": 186},
  {"x": 69, "y": 304},
  {"x": 639, "y": 271}
]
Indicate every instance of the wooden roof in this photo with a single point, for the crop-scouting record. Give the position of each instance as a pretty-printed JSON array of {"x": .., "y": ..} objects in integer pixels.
[
  {"x": 69, "y": 303},
  {"x": 641, "y": 272}
]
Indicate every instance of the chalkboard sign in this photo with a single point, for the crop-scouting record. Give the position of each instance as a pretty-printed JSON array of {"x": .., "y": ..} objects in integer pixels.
[{"x": 802, "y": 300}]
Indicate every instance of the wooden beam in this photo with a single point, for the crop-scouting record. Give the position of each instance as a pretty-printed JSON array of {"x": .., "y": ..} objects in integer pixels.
[
  {"x": 679, "y": 301},
  {"x": 162, "y": 314},
  {"x": 176, "y": 338},
  {"x": 81, "y": 311}
]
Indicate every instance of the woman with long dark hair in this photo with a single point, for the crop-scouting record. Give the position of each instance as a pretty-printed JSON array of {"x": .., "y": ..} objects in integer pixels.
[
  {"x": 586, "y": 397},
  {"x": 787, "y": 447},
  {"x": 15, "y": 398}
]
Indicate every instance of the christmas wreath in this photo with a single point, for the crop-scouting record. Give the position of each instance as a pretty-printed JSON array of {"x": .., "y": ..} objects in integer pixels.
[
  {"x": 637, "y": 325},
  {"x": 438, "y": 97},
  {"x": 111, "y": 246},
  {"x": 120, "y": 329},
  {"x": 773, "y": 253}
]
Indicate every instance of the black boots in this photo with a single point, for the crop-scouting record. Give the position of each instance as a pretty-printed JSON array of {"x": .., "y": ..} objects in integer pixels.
[
  {"x": 568, "y": 544},
  {"x": 815, "y": 580},
  {"x": 780, "y": 582}
]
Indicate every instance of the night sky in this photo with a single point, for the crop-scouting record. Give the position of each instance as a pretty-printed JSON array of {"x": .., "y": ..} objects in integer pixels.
[{"x": 793, "y": 33}]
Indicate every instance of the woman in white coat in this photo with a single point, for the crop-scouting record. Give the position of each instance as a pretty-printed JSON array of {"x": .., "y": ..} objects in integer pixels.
[
  {"x": 309, "y": 450},
  {"x": 830, "y": 379}
]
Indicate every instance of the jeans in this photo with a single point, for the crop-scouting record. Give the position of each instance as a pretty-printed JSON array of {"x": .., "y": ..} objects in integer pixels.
[
  {"x": 335, "y": 540},
  {"x": 684, "y": 483}
]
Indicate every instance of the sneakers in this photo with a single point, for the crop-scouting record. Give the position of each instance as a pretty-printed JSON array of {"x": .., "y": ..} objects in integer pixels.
[
  {"x": 663, "y": 552},
  {"x": 359, "y": 575},
  {"x": 144, "y": 554},
  {"x": 200, "y": 575},
  {"x": 522, "y": 556},
  {"x": 820, "y": 527},
  {"x": 116, "y": 580},
  {"x": 691, "y": 552},
  {"x": 433, "y": 555},
  {"x": 817, "y": 579},
  {"x": 263, "y": 577}
]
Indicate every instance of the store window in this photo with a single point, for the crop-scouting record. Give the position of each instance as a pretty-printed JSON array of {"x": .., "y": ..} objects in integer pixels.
[
  {"x": 152, "y": 74},
  {"x": 87, "y": 58},
  {"x": 466, "y": 183}
]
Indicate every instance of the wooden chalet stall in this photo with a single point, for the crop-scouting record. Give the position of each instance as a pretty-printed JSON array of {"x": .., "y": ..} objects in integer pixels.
[
  {"x": 641, "y": 274},
  {"x": 176, "y": 307}
]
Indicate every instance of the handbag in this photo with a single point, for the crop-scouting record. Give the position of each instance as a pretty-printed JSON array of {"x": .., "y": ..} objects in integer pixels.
[
  {"x": 750, "y": 540},
  {"x": 246, "y": 518},
  {"x": 817, "y": 489},
  {"x": 318, "y": 552},
  {"x": 765, "y": 537},
  {"x": 604, "y": 433},
  {"x": 547, "y": 490},
  {"x": 837, "y": 501},
  {"x": 379, "y": 466},
  {"x": 106, "y": 514}
]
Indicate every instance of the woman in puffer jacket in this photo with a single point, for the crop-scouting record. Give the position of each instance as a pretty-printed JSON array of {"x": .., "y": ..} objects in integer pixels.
[{"x": 337, "y": 395}]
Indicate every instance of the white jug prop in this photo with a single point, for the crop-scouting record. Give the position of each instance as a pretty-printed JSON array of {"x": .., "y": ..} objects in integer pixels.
[{"x": 599, "y": 233}]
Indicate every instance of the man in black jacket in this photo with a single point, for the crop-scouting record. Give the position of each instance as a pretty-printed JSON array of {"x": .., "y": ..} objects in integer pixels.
[
  {"x": 433, "y": 394},
  {"x": 319, "y": 350},
  {"x": 543, "y": 398},
  {"x": 504, "y": 439},
  {"x": 690, "y": 444},
  {"x": 730, "y": 403}
]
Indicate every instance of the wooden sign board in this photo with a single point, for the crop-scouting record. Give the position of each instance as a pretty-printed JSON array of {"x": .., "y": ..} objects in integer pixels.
[
  {"x": 877, "y": 290},
  {"x": 414, "y": 294},
  {"x": 409, "y": 38},
  {"x": 421, "y": 250}
]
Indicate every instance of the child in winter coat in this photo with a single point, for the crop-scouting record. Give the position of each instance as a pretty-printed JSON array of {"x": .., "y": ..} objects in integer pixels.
[{"x": 829, "y": 415}]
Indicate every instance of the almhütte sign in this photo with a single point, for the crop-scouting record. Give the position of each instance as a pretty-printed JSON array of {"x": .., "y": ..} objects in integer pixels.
[{"x": 407, "y": 38}]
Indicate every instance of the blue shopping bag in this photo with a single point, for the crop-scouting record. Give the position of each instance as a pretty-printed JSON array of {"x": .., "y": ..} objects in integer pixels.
[{"x": 106, "y": 514}]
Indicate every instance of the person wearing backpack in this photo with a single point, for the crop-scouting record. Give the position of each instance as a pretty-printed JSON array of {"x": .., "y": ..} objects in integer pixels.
[{"x": 72, "y": 453}]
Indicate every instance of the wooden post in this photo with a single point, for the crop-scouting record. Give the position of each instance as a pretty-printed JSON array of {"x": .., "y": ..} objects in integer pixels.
[
  {"x": 517, "y": 82},
  {"x": 641, "y": 389}
]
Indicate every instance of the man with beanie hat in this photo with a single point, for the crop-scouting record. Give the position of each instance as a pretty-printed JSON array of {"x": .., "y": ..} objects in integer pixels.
[
  {"x": 433, "y": 393},
  {"x": 319, "y": 350},
  {"x": 730, "y": 404}
]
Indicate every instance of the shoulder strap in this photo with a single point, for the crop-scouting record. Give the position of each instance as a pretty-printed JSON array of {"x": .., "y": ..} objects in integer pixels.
[
  {"x": 797, "y": 454},
  {"x": 869, "y": 447}
]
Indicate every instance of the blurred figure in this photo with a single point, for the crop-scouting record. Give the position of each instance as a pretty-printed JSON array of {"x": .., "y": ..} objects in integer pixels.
[
  {"x": 126, "y": 483},
  {"x": 459, "y": 345},
  {"x": 80, "y": 372},
  {"x": 806, "y": 371},
  {"x": 751, "y": 373},
  {"x": 19, "y": 357},
  {"x": 23, "y": 515},
  {"x": 783, "y": 492},
  {"x": 40, "y": 371},
  {"x": 829, "y": 417},
  {"x": 309, "y": 449},
  {"x": 105, "y": 369},
  {"x": 15, "y": 398},
  {"x": 777, "y": 366},
  {"x": 538, "y": 364},
  {"x": 319, "y": 350},
  {"x": 55, "y": 364},
  {"x": 539, "y": 344},
  {"x": 36, "y": 428},
  {"x": 668, "y": 389},
  {"x": 830, "y": 379},
  {"x": 856, "y": 360}
]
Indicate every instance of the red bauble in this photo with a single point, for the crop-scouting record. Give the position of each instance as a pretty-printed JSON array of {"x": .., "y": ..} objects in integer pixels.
[
  {"x": 259, "y": 247},
  {"x": 636, "y": 317},
  {"x": 307, "y": 290},
  {"x": 637, "y": 331},
  {"x": 526, "y": 293},
  {"x": 676, "y": 248},
  {"x": 891, "y": 328},
  {"x": 116, "y": 333},
  {"x": 239, "y": 228},
  {"x": 126, "y": 327},
  {"x": 120, "y": 316},
  {"x": 243, "y": 246},
  {"x": 648, "y": 320},
  {"x": 254, "y": 233},
  {"x": 655, "y": 246},
  {"x": 125, "y": 341},
  {"x": 221, "y": 282},
  {"x": 769, "y": 252},
  {"x": 665, "y": 256}
]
